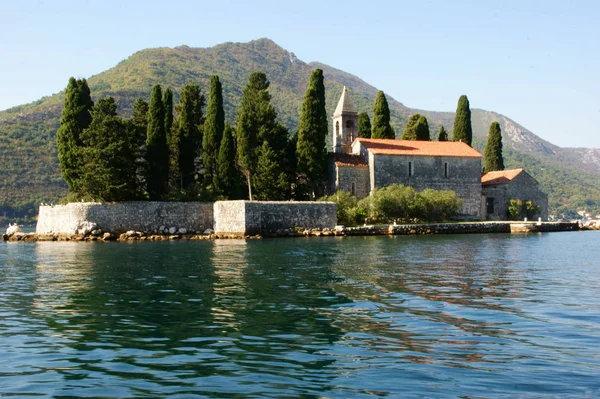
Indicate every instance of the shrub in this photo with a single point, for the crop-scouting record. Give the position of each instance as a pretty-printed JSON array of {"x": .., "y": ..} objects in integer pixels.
[{"x": 518, "y": 209}]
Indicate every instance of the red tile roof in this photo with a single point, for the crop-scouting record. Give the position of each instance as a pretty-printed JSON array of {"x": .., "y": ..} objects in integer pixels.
[
  {"x": 342, "y": 159},
  {"x": 419, "y": 148},
  {"x": 499, "y": 177}
]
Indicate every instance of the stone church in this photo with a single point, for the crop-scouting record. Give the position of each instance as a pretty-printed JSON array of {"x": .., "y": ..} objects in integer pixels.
[{"x": 359, "y": 165}]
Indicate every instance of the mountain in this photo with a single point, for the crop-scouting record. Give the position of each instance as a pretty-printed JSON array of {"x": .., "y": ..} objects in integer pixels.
[{"x": 29, "y": 169}]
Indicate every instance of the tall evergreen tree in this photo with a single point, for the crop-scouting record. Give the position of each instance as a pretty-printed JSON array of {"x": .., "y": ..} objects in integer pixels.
[
  {"x": 256, "y": 119},
  {"x": 270, "y": 181},
  {"x": 109, "y": 156},
  {"x": 409, "y": 130},
  {"x": 228, "y": 177},
  {"x": 168, "y": 103},
  {"x": 462, "y": 121},
  {"x": 381, "y": 119},
  {"x": 188, "y": 134},
  {"x": 493, "y": 149},
  {"x": 364, "y": 125},
  {"x": 422, "y": 129},
  {"x": 311, "y": 153},
  {"x": 443, "y": 135},
  {"x": 213, "y": 131},
  {"x": 138, "y": 125},
  {"x": 74, "y": 119},
  {"x": 157, "y": 151}
]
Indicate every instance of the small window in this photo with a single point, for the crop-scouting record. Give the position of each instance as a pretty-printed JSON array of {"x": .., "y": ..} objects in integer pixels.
[
  {"x": 350, "y": 124},
  {"x": 411, "y": 171},
  {"x": 337, "y": 128},
  {"x": 353, "y": 188},
  {"x": 445, "y": 169},
  {"x": 490, "y": 206}
]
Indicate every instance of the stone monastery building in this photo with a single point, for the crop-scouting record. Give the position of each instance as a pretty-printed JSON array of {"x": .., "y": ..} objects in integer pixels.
[{"x": 359, "y": 166}]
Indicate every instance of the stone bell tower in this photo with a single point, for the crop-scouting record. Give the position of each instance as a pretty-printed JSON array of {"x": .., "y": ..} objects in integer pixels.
[{"x": 345, "y": 124}]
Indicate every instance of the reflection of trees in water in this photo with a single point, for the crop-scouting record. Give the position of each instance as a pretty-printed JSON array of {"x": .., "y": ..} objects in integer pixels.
[
  {"x": 421, "y": 293},
  {"x": 190, "y": 309}
]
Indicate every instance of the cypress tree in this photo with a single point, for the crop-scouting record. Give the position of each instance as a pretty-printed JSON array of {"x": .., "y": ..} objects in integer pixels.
[
  {"x": 462, "y": 121},
  {"x": 422, "y": 129},
  {"x": 168, "y": 103},
  {"x": 409, "y": 132},
  {"x": 493, "y": 149},
  {"x": 213, "y": 131},
  {"x": 311, "y": 153},
  {"x": 381, "y": 119},
  {"x": 443, "y": 135},
  {"x": 157, "y": 151},
  {"x": 74, "y": 119},
  {"x": 109, "y": 156},
  {"x": 138, "y": 124},
  {"x": 188, "y": 136},
  {"x": 364, "y": 125},
  {"x": 270, "y": 181},
  {"x": 255, "y": 118},
  {"x": 227, "y": 173}
]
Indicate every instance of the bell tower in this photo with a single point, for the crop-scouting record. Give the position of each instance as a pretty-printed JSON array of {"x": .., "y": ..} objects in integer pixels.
[{"x": 345, "y": 124}]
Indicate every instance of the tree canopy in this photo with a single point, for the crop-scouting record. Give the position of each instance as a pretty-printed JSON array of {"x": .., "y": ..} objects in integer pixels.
[
  {"x": 364, "y": 125},
  {"x": 381, "y": 128},
  {"x": 493, "y": 149},
  {"x": 462, "y": 121},
  {"x": 311, "y": 153}
]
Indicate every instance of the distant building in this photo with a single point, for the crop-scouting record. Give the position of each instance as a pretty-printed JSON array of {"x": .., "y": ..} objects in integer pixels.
[
  {"x": 359, "y": 166},
  {"x": 502, "y": 186}
]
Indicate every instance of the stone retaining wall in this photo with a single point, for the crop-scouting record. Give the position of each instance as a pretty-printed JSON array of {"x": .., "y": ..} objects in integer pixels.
[
  {"x": 272, "y": 217},
  {"x": 143, "y": 216}
]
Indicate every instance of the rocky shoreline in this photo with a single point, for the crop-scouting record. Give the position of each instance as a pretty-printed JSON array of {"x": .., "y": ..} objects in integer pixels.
[{"x": 339, "y": 231}]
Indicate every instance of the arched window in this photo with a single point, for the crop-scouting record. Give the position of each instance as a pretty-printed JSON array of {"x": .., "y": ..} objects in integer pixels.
[{"x": 337, "y": 128}]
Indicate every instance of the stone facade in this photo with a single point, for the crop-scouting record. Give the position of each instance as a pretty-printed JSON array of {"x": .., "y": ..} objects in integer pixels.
[
  {"x": 148, "y": 217},
  {"x": 265, "y": 217},
  {"x": 461, "y": 175},
  {"x": 500, "y": 187}
]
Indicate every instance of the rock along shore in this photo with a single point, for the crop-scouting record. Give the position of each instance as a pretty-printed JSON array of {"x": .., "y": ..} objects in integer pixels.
[{"x": 338, "y": 231}]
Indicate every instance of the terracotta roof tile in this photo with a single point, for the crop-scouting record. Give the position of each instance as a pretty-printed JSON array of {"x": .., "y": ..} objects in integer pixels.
[
  {"x": 499, "y": 177},
  {"x": 419, "y": 148},
  {"x": 342, "y": 159}
]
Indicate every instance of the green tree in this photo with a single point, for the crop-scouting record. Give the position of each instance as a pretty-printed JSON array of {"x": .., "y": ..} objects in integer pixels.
[
  {"x": 364, "y": 125},
  {"x": 157, "y": 151},
  {"x": 256, "y": 123},
  {"x": 168, "y": 103},
  {"x": 213, "y": 132},
  {"x": 109, "y": 156},
  {"x": 409, "y": 132},
  {"x": 443, "y": 135},
  {"x": 270, "y": 181},
  {"x": 188, "y": 137},
  {"x": 422, "y": 129},
  {"x": 381, "y": 119},
  {"x": 493, "y": 149},
  {"x": 138, "y": 124},
  {"x": 462, "y": 121},
  {"x": 312, "y": 133},
  {"x": 74, "y": 119},
  {"x": 228, "y": 177}
]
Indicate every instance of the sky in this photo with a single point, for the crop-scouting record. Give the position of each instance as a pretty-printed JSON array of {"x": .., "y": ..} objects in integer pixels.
[{"x": 537, "y": 62}]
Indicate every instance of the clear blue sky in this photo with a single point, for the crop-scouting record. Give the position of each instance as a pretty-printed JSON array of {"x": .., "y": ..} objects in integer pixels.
[{"x": 536, "y": 62}]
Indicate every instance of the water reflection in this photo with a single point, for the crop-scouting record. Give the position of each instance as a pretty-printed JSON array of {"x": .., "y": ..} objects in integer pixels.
[{"x": 333, "y": 317}]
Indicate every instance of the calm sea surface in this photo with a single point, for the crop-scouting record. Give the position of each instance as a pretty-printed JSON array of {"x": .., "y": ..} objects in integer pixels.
[{"x": 439, "y": 316}]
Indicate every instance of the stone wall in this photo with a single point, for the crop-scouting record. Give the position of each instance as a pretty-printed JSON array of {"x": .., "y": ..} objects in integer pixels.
[
  {"x": 349, "y": 175},
  {"x": 522, "y": 187},
  {"x": 459, "y": 174},
  {"x": 269, "y": 217},
  {"x": 147, "y": 217}
]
